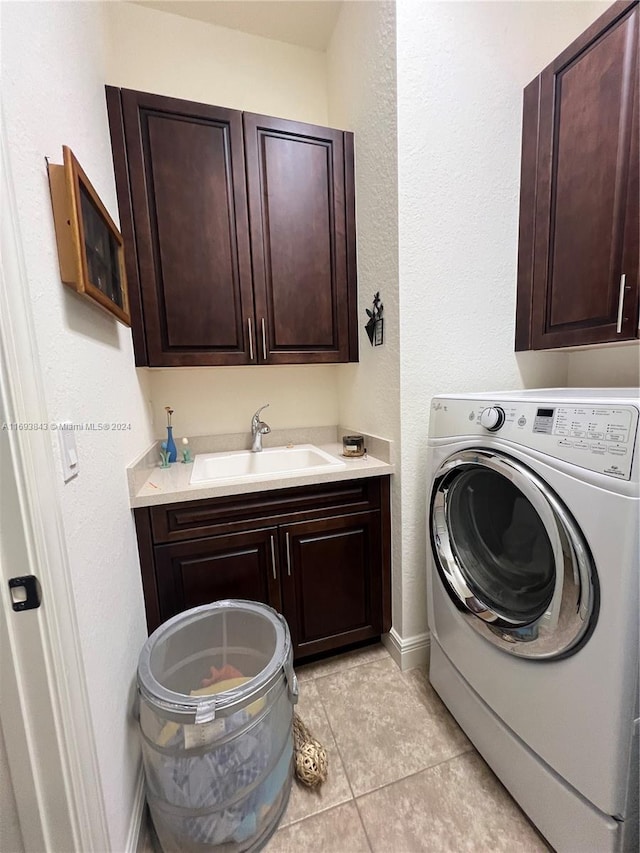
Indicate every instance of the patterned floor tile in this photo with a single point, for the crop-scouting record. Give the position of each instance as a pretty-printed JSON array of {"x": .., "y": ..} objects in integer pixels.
[
  {"x": 307, "y": 801},
  {"x": 383, "y": 730},
  {"x": 336, "y": 831},
  {"x": 457, "y": 807},
  {"x": 337, "y": 663}
]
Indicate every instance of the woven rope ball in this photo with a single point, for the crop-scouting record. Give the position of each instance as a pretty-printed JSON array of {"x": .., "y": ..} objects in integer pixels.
[{"x": 311, "y": 757}]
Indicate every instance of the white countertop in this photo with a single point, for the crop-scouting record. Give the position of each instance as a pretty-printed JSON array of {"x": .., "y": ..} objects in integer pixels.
[{"x": 153, "y": 486}]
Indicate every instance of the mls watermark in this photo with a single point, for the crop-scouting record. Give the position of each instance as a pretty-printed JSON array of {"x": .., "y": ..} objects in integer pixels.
[{"x": 53, "y": 426}]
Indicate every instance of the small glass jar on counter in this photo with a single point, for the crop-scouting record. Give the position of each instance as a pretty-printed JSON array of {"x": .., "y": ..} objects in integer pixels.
[{"x": 353, "y": 445}]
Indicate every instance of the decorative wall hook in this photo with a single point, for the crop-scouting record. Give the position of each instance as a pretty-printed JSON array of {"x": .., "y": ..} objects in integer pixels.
[{"x": 375, "y": 324}]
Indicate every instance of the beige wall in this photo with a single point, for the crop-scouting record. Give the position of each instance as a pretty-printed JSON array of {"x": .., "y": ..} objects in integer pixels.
[
  {"x": 361, "y": 72},
  {"x": 53, "y": 94},
  {"x": 606, "y": 367},
  {"x": 170, "y": 55},
  {"x": 157, "y": 52},
  {"x": 218, "y": 401},
  {"x": 461, "y": 71},
  {"x": 449, "y": 320},
  {"x": 362, "y": 98}
]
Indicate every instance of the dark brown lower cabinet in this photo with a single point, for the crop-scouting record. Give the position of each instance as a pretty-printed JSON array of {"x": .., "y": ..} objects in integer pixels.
[
  {"x": 238, "y": 566},
  {"x": 333, "y": 582},
  {"x": 319, "y": 554}
]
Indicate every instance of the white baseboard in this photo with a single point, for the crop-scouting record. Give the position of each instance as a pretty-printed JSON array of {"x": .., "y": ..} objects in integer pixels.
[
  {"x": 410, "y": 652},
  {"x": 137, "y": 834}
]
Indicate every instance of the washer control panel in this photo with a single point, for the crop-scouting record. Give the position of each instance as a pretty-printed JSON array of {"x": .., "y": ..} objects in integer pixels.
[
  {"x": 600, "y": 438},
  {"x": 492, "y": 418}
]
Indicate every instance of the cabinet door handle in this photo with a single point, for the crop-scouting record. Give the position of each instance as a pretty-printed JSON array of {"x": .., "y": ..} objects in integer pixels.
[
  {"x": 273, "y": 558},
  {"x": 250, "y": 325},
  {"x": 286, "y": 537},
  {"x": 623, "y": 280},
  {"x": 264, "y": 342}
]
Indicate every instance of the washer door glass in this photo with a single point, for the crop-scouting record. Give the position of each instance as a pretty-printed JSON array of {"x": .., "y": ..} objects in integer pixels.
[
  {"x": 503, "y": 549},
  {"x": 510, "y": 555}
]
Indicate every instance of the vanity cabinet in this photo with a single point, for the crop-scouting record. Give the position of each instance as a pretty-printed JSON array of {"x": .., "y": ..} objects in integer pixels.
[
  {"x": 239, "y": 234},
  {"x": 578, "y": 242},
  {"x": 318, "y": 554},
  {"x": 332, "y": 585},
  {"x": 241, "y": 565}
]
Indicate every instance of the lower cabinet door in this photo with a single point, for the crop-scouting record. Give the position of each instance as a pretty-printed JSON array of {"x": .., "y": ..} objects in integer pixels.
[
  {"x": 241, "y": 565},
  {"x": 331, "y": 581}
]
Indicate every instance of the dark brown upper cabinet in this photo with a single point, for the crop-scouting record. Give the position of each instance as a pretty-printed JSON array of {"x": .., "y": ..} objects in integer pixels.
[
  {"x": 239, "y": 234},
  {"x": 297, "y": 210},
  {"x": 578, "y": 242}
]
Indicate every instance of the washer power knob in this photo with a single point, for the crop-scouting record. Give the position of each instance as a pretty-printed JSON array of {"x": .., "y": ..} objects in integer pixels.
[{"x": 492, "y": 418}]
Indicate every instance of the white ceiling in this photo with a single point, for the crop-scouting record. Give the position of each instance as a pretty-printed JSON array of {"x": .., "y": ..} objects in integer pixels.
[{"x": 308, "y": 23}]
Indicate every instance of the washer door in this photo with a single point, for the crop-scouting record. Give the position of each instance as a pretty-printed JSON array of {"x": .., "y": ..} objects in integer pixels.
[{"x": 511, "y": 556}]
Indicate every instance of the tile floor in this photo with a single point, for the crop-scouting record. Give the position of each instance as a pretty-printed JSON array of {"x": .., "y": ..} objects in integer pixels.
[{"x": 403, "y": 778}]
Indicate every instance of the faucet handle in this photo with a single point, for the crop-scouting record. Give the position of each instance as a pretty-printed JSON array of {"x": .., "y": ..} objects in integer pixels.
[
  {"x": 256, "y": 423},
  {"x": 258, "y": 429}
]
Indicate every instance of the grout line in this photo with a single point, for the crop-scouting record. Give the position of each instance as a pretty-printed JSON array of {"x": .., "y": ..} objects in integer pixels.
[
  {"x": 322, "y": 810},
  {"x": 416, "y": 692},
  {"x": 335, "y": 740},
  {"x": 335, "y": 805},
  {"x": 366, "y": 834},
  {"x": 323, "y": 813},
  {"x": 347, "y": 667},
  {"x": 333, "y": 733},
  {"x": 415, "y": 773}
]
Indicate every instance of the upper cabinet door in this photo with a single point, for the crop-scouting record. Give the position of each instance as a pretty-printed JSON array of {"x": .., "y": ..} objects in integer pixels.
[
  {"x": 578, "y": 259},
  {"x": 302, "y": 240},
  {"x": 188, "y": 204},
  {"x": 205, "y": 287}
]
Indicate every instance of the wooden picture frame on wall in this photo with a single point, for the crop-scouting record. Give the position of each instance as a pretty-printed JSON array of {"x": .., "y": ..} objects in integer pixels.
[{"x": 90, "y": 247}]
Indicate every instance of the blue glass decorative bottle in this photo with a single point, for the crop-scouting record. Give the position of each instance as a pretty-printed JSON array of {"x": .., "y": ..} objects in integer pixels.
[{"x": 171, "y": 445}]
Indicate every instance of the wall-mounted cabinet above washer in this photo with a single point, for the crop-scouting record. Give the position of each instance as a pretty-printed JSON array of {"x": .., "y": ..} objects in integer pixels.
[
  {"x": 578, "y": 243},
  {"x": 239, "y": 233}
]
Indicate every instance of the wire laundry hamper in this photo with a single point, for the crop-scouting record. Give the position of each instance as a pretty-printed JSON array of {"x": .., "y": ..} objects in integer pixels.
[{"x": 217, "y": 689}]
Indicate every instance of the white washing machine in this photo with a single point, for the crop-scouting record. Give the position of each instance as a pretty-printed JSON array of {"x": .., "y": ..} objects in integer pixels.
[{"x": 533, "y": 564}]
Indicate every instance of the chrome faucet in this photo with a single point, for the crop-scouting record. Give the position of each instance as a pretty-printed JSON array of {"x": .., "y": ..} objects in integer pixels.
[{"x": 258, "y": 429}]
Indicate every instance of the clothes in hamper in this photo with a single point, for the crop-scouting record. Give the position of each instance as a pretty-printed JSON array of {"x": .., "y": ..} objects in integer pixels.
[
  {"x": 207, "y": 782},
  {"x": 207, "y": 830},
  {"x": 170, "y": 729}
]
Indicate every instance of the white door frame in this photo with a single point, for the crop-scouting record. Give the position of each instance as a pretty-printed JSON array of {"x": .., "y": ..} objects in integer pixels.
[{"x": 44, "y": 707}]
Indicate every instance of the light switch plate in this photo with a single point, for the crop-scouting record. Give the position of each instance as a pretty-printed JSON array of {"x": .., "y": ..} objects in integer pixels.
[{"x": 68, "y": 451}]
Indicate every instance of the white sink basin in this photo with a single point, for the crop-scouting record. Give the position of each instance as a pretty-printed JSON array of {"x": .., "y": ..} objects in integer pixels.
[{"x": 243, "y": 464}]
